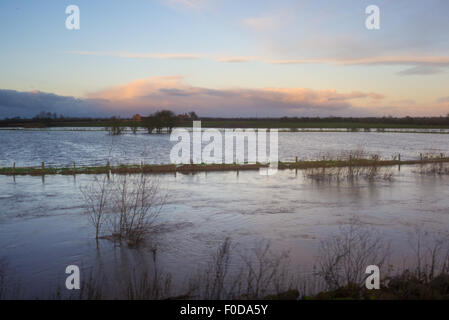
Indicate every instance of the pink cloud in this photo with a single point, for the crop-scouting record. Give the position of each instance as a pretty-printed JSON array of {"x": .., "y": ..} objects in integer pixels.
[
  {"x": 136, "y": 89},
  {"x": 147, "y": 95}
]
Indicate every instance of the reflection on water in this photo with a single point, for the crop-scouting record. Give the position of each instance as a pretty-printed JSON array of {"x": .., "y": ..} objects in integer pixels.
[{"x": 43, "y": 227}]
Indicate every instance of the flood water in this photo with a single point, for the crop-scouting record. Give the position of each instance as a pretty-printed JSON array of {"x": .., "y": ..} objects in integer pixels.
[
  {"x": 43, "y": 226},
  {"x": 93, "y": 147}
]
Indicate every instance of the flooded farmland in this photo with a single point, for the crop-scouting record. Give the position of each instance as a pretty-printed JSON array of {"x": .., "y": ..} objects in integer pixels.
[{"x": 44, "y": 225}]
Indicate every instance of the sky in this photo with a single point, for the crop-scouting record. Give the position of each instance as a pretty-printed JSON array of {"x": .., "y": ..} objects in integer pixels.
[{"x": 224, "y": 58}]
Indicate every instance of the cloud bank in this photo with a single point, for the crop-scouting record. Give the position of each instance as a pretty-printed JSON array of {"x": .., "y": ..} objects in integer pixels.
[
  {"x": 145, "y": 96},
  {"x": 28, "y": 104},
  {"x": 171, "y": 92}
]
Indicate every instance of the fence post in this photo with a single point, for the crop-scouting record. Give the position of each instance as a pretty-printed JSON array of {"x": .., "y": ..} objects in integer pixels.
[
  {"x": 420, "y": 156},
  {"x": 74, "y": 167},
  {"x": 399, "y": 157},
  {"x": 43, "y": 165},
  {"x": 296, "y": 160},
  {"x": 14, "y": 168},
  {"x": 108, "y": 169}
]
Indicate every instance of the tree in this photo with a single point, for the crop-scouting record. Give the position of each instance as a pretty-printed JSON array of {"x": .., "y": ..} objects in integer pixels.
[
  {"x": 134, "y": 126},
  {"x": 96, "y": 198},
  {"x": 114, "y": 127},
  {"x": 165, "y": 119},
  {"x": 159, "y": 120},
  {"x": 127, "y": 207},
  {"x": 193, "y": 115},
  {"x": 149, "y": 123},
  {"x": 171, "y": 121}
]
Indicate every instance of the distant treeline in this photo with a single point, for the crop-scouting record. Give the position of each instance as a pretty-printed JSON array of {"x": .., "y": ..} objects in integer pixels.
[
  {"x": 438, "y": 121},
  {"x": 63, "y": 121},
  {"x": 166, "y": 118}
]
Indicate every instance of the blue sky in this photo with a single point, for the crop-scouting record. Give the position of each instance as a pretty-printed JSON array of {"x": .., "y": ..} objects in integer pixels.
[{"x": 266, "y": 58}]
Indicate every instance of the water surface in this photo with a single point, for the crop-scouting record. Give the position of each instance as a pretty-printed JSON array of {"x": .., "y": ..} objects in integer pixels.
[
  {"x": 93, "y": 147},
  {"x": 43, "y": 227}
]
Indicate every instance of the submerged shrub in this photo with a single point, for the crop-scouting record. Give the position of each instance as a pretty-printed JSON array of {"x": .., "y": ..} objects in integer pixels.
[
  {"x": 134, "y": 127},
  {"x": 114, "y": 127},
  {"x": 348, "y": 173},
  {"x": 433, "y": 169},
  {"x": 137, "y": 202},
  {"x": 125, "y": 206},
  {"x": 349, "y": 165},
  {"x": 344, "y": 257},
  {"x": 263, "y": 274},
  {"x": 96, "y": 200}
]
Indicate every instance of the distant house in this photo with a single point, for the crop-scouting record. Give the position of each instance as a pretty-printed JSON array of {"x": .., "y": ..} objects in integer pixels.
[
  {"x": 137, "y": 117},
  {"x": 184, "y": 116}
]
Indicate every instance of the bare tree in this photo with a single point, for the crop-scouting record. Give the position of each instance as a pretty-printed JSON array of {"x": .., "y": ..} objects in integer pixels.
[
  {"x": 114, "y": 127},
  {"x": 149, "y": 283},
  {"x": 134, "y": 126},
  {"x": 96, "y": 200},
  {"x": 264, "y": 271},
  {"x": 136, "y": 204},
  {"x": 431, "y": 254},
  {"x": 344, "y": 257},
  {"x": 214, "y": 277},
  {"x": 127, "y": 206}
]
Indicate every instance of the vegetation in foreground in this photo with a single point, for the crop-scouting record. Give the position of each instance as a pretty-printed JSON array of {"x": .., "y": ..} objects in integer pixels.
[
  {"x": 426, "y": 278},
  {"x": 339, "y": 273}
]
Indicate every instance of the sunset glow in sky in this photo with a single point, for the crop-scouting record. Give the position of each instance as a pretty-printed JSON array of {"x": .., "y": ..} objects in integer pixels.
[{"x": 225, "y": 58}]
